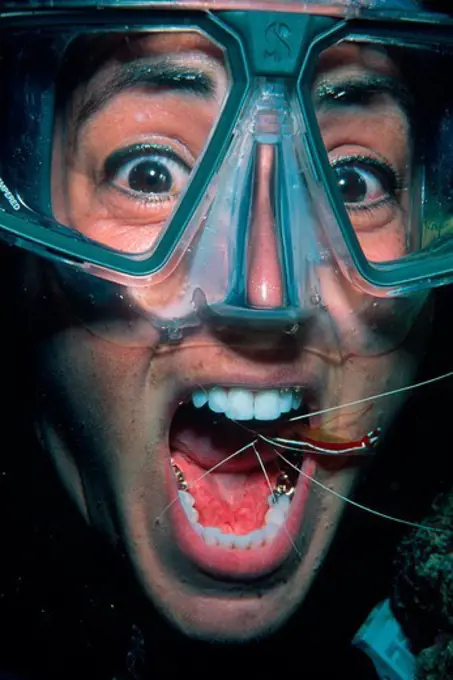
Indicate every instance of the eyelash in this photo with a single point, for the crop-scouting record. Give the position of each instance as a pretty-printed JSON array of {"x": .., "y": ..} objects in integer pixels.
[
  {"x": 393, "y": 176},
  {"x": 118, "y": 160}
]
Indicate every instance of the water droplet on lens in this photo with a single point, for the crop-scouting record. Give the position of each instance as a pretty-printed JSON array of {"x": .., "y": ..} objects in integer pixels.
[
  {"x": 292, "y": 330},
  {"x": 315, "y": 299}
]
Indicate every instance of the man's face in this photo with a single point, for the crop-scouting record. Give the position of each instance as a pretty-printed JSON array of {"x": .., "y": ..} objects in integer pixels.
[{"x": 128, "y": 426}]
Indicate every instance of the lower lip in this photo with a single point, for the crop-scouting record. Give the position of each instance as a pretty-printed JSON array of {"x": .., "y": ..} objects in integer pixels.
[{"x": 231, "y": 563}]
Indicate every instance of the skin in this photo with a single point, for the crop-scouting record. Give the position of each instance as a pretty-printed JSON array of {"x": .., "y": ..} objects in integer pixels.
[{"x": 105, "y": 408}]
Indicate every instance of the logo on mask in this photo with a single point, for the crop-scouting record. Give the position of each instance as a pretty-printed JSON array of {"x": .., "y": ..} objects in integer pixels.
[
  {"x": 8, "y": 195},
  {"x": 277, "y": 45}
]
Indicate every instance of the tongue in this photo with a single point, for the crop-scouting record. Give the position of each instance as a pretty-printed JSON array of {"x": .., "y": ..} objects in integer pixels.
[
  {"x": 233, "y": 497},
  {"x": 234, "y": 503}
]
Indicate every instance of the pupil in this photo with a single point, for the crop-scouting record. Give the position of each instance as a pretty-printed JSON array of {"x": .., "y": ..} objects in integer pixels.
[
  {"x": 150, "y": 177},
  {"x": 351, "y": 184}
]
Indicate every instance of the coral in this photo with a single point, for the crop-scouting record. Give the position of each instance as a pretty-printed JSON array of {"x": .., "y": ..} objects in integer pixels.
[{"x": 422, "y": 598}]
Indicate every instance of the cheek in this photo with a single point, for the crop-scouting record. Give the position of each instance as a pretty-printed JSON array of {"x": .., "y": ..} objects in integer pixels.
[
  {"x": 343, "y": 303},
  {"x": 362, "y": 324},
  {"x": 386, "y": 244},
  {"x": 96, "y": 391},
  {"x": 99, "y": 421}
]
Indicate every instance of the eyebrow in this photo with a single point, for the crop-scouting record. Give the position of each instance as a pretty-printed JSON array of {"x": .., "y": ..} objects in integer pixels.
[
  {"x": 359, "y": 90},
  {"x": 163, "y": 74}
]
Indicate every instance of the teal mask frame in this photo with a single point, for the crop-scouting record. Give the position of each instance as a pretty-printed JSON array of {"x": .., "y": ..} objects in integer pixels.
[{"x": 258, "y": 43}]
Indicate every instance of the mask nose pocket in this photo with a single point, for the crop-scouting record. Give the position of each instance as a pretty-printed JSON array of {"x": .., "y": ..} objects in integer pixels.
[{"x": 260, "y": 231}]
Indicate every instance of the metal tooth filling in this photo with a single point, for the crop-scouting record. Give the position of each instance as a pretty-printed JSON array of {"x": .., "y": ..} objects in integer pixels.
[
  {"x": 278, "y": 501},
  {"x": 182, "y": 484},
  {"x": 283, "y": 486}
]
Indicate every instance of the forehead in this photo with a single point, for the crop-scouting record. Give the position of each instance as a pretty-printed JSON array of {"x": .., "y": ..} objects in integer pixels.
[
  {"x": 181, "y": 44},
  {"x": 183, "y": 51},
  {"x": 164, "y": 42},
  {"x": 184, "y": 41}
]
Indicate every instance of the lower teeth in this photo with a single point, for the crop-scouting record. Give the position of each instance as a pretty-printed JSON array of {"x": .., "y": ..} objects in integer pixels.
[{"x": 274, "y": 519}]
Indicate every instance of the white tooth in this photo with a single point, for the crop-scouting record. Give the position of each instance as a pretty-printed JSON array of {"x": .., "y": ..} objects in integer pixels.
[
  {"x": 275, "y": 500},
  {"x": 296, "y": 401},
  {"x": 272, "y": 499},
  {"x": 199, "y": 398},
  {"x": 257, "y": 538},
  {"x": 267, "y": 405},
  {"x": 226, "y": 540},
  {"x": 186, "y": 499},
  {"x": 275, "y": 516},
  {"x": 242, "y": 542},
  {"x": 240, "y": 404},
  {"x": 192, "y": 514},
  {"x": 270, "y": 531},
  {"x": 283, "y": 504},
  {"x": 211, "y": 535},
  {"x": 218, "y": 399},
  {"x": 286, "y": 400},
  {"x": 187, "y": 502}
]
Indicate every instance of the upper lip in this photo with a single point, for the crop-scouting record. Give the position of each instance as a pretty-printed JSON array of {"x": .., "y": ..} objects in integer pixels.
[{"x": 215, "y": 365}]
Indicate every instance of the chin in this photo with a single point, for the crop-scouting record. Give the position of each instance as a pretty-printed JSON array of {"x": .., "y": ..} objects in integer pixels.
[{"x": 229, "y": 594}]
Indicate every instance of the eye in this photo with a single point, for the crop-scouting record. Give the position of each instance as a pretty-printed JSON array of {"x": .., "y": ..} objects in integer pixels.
[
  {"x": 365, "y": 183},
  {"x": 149, "y": 172}
]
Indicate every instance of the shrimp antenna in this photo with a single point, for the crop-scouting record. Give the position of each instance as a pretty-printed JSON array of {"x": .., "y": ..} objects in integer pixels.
[
  {"x": 371, "y": 511},
  {"x": 194, "y": 483},
  {"x": 380, "y": 395}
]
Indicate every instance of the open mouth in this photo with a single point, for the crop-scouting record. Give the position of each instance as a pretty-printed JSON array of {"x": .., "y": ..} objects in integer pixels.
[{"x": 240, "y": 504}]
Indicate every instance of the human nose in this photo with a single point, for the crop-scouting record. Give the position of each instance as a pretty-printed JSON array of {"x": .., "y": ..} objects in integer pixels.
[{"x": 264, "y": 276}]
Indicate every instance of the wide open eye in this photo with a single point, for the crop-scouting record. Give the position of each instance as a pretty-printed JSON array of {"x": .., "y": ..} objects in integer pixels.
[
  {"x": 150, "y": 172},
  {"x": 364, "y": 183}
]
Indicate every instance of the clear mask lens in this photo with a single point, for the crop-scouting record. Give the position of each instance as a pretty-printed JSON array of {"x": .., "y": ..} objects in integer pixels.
[
  {"x": 132, "y": 122},
  {"x": 384, "y": 117},
  {"x": 362, "y": 108}
]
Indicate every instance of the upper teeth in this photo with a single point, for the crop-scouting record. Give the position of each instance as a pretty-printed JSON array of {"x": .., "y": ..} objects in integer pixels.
[{"x": 239, "y": 403}]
